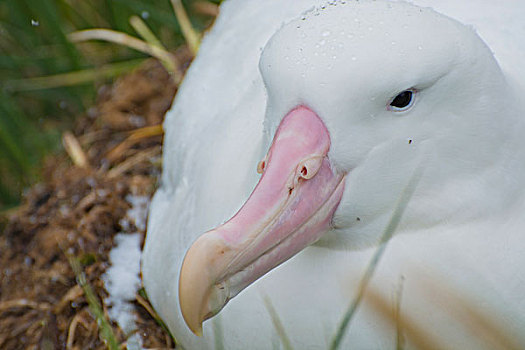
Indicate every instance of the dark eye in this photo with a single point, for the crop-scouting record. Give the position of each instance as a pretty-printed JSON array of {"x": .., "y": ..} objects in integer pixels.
[{"x": 402, "y": 101}]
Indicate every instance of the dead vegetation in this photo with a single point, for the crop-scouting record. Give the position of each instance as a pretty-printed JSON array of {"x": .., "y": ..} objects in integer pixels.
[{"x": 74, "y": 214}]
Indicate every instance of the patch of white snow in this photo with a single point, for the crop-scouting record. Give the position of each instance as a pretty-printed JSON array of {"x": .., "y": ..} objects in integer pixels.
[{"x": 122, "y": 282}]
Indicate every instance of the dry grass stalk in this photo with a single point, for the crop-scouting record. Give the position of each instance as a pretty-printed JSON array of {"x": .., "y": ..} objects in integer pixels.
[
  {"x": 482, "y": 322},
  {"x": 143, "y": 30},
  {"x": 481, "y": 325},
  {"x": 191, "y": 36},
  {"x": 206, "y": 8},
  {"x": 133, "y": 138},
  {"x": 146, "y": 306},
  {"x": 93, "y": 136},
  {"x": 74, "y": 293},
  {"x": 417, "y": 335},
  {"x": 113, "y": 36},
  {"x": 74, "y": 150},
  {"x": 23, "y": 303},
  {"x": 78, "y": 318},
  {"x": 131, "y": 162}
]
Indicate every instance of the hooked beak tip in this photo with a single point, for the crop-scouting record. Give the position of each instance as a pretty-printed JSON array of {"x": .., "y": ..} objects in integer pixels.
[
  {"x": 198, "y": 299},
  {"x": 198, "y": 330}
]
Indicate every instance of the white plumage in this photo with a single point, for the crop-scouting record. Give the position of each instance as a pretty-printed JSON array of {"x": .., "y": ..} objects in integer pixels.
[{"x": 464, "y": 226}]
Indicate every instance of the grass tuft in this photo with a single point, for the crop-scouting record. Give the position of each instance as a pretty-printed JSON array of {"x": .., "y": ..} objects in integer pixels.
[
  {"x": 104, "y": 326},
  {"x": 46, "y": 79}
]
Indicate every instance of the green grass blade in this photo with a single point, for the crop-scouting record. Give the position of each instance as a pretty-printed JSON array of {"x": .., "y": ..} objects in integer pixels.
[
  {"x": 387, "y": 235},
  {"x": 48, "y": 17},
  {"x": 277, "y": 323},
  {"x": 73, "y": 78},
  {"x": 105, "y": 329}
]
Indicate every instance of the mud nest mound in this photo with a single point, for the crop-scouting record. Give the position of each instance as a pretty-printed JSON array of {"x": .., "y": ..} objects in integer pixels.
[{"x": 54, "y": 248}]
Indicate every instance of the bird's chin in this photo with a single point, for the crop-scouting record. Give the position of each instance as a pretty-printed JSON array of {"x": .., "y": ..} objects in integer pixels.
[{"x": 291, "y": 207}]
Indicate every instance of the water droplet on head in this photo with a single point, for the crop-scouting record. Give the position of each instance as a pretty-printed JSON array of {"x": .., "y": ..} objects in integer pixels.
[
  {"x": 350, "y": 35},
  {"x": 393, "y": 42},
  {"x": 354, "y": 58},
  {"x": 326, "y": 33},
  {"x": 419, "y": 47},
  {"x": 322, "y": 42}
]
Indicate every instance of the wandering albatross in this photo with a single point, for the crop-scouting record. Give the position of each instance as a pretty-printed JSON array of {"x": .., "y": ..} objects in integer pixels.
[{"x": 293, "y": 137}]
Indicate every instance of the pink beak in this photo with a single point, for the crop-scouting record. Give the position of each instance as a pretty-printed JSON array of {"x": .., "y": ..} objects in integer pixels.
[{"x": 291, "y": 207}]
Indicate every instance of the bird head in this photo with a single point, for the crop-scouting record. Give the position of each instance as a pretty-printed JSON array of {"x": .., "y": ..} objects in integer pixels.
[{"x": 360, "y": 95}]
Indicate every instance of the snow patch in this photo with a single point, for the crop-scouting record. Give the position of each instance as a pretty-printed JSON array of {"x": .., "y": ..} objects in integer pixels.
[
  {"x": 122, "y": 282},
  {"x": 138, "y": 213},
  {"x": 122, "y": 278}
]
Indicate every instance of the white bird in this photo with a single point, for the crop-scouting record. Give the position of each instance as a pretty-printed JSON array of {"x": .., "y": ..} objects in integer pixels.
[{"x": 338, "y": 105}]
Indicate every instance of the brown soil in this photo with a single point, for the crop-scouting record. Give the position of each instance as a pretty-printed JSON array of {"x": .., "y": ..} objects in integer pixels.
[{"x": 72, "y": 216}]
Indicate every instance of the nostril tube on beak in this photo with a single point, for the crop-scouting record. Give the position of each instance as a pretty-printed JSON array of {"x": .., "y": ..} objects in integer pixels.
[
  {"x": 309, "y": 167},
  {"x": 260, "y": 166}
]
